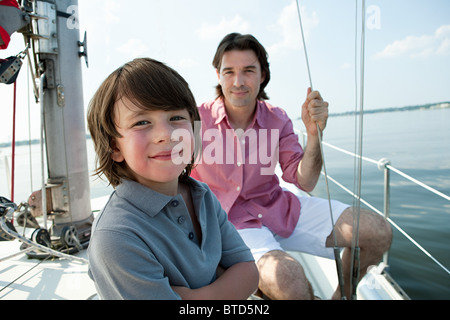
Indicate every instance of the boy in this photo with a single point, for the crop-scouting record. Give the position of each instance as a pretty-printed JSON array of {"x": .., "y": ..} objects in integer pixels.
[{"x": 162, "y": 234}]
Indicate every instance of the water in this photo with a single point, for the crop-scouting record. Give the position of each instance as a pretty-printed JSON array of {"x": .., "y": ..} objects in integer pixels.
[
  {"x": 27, "y": 182},
  {"x": 416, "y": 142}
]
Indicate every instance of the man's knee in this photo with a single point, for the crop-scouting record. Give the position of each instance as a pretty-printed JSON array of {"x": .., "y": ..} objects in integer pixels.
[
  {"x": 378, "y": 230},
  {"x": 283, "y": 277},
  {"x": 374, "y": 229}
]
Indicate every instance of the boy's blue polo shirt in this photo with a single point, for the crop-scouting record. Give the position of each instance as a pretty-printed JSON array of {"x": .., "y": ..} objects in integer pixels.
[{"x": 143, "y": 242}]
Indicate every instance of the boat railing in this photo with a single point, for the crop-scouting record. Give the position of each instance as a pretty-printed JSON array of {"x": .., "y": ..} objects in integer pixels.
[{"x": 385, "y": 166}]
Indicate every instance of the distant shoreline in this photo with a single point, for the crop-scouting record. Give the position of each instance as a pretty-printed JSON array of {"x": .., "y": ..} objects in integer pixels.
[
  {"x": 428, "y": 106},
  {"x": 26, "y": 142}
]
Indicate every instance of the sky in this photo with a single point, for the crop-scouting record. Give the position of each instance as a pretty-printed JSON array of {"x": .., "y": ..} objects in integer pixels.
[{"x": 407, "y": 49}]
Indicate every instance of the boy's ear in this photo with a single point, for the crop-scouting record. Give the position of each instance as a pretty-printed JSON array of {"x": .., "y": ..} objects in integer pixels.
[{"x": 116, "y": 154}]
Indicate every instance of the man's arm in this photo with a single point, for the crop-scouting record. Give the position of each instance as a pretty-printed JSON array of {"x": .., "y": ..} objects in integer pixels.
[
  {"x": 314, "y": 113},
  {"x": 237, "y": 282}
]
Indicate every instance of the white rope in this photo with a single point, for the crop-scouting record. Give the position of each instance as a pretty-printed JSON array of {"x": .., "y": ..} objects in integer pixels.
[
  {"x": 390, "y": 167},
  {"x": 42, "y": 143},
  {"x": 29, "y": 125},
  {"x": 318, "y": 129},
  {"x": 355, "y": 265},
  {"x": 423, "y": 185},
  {"x": 336, "y": 249},
  {"x": 38, "y": 246},
  {"x": 407, "y": 236},
  {"x": 370, "y": 206}
]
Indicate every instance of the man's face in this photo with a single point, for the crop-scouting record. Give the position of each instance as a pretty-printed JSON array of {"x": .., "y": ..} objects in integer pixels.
[{"x": 240, "y": 76}]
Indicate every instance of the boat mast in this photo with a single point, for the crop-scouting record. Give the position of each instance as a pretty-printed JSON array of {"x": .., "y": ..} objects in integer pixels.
[{"x": 63, "y": 106}]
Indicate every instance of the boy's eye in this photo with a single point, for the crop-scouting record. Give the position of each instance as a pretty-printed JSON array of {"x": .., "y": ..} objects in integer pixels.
[
  {"x": 177, "y": 118},
  {"x": 141, "y": 123}
]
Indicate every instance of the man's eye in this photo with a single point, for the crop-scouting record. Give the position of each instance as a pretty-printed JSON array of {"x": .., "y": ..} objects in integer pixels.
[{"x": 177, "y": 118}]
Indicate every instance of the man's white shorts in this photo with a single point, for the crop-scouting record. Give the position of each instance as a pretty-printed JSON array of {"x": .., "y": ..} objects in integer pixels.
[{"x": 310, "y": 234}]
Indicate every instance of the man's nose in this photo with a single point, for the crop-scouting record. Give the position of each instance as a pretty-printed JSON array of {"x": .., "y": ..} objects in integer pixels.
[{"x": 238, "y": 80}]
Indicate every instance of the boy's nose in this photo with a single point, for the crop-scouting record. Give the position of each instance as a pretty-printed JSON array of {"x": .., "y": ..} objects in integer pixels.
[{"x": 162, "y": 133}]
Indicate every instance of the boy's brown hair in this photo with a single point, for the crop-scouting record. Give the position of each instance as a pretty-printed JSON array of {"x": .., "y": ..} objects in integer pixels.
[
  {"x": 237, "y": 41},
  {"x": 150, "y": 85}
]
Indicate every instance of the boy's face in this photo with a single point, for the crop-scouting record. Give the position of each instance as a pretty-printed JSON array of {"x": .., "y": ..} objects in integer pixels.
[{"x": 150, "y": 144}]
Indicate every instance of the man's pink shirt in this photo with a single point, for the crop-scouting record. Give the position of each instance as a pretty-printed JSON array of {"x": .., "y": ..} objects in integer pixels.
[{"x": 241, "y": 171}]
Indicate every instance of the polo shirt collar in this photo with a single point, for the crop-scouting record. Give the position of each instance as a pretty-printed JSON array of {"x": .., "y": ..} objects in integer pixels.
[
  {"x": 219, "y": 112},
  {"x": 149, "y": 201}
]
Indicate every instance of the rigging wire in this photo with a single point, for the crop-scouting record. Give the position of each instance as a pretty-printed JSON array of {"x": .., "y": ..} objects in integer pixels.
[
  {"x": 402, "y": 174},
  {"x": 29, "y": 118},
  {"x": 336, "y": 249},
  {"x": 355, "y": 250},
  {"x": 13, "y": 151},
  {"x": 42, "y": 143}
]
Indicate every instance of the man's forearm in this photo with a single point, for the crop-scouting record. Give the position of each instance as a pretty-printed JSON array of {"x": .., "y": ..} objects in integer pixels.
[{"x": 309, "y": 168}]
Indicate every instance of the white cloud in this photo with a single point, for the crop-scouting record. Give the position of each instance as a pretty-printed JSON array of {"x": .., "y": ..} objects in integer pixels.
[
  {"x": 444, "y": 48},
  {"x": 133, "y": 48},
  {"x": 420, "y": 46},
  {"x": 111, "y": 12},
  {"x": 186, "y": 63},
  {"x": 346, "y": 66},
  {"x": 288, "y": 26},
  {"x": 213, "y": 32}
]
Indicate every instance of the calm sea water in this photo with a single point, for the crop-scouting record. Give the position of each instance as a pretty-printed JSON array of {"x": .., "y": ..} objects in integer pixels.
[{"x": 416, "y": 142}]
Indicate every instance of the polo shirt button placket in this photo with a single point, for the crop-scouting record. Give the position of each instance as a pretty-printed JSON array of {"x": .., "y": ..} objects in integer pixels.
[{"x": 181, "y": 219}]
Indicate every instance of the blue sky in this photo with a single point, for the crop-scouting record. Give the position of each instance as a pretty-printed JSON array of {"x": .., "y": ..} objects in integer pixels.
[{"x": 407, "y": 59}]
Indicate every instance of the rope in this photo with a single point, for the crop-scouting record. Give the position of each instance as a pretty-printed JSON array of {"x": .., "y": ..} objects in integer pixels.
[
  {"x": 336, "y": 249},
  {"x": 29, "y": 125},
  {"x": 355, "y": 250},
  {"x": 421, "y": 184},
  {"x": 42, "y": 143},
  {"x": 13, "y": 152},
  {"x": 390, "y": 167},
  {"x": 38, "y": 246},
  {"x": 396, "y": 226}
]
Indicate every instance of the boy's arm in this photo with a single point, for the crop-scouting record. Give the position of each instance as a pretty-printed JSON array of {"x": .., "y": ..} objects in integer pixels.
[
  {"x": 237, "y": 282},
  {"x": 237, "y": 275}
]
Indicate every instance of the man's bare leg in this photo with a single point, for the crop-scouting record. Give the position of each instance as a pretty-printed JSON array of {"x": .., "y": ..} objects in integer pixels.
[
  {"x": 281, "y": 277},
  {"x": 375, "y": 237}
]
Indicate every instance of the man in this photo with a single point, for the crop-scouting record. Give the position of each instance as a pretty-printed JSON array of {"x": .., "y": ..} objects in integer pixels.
[{"x": 239, "y": 130}]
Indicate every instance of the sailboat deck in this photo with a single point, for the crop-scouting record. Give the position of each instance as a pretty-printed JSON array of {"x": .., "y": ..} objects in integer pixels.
[{"x": 24, "y": 278}]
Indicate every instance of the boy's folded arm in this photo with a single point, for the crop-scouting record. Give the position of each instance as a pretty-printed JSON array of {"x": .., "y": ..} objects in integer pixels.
[{"x": 237, "y": 282}]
